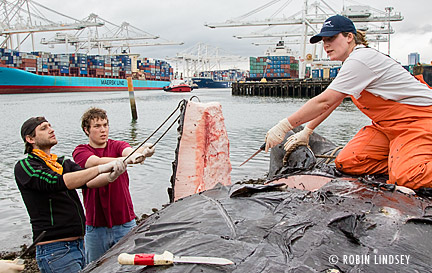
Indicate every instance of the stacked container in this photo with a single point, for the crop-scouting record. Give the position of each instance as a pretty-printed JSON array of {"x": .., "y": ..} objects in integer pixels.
[
  {"x": 274, "y": 67},
  {"x": 125, "y": 66},
  {"x": 82, "y": 65},
  {"x": 10, "y": 57},
  {"x": 325, "y": 73},
  {"x": 42, "y": 61},
  {"x": 227, "y": 75},
  {"x": 116, "y": 66},
  {"x": 78, "y": 64},
  {"x": 29, "y": 63},
  {"x": 153, "y": 69}
]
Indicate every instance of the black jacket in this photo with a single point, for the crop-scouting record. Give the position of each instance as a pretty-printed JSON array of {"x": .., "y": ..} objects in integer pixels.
[{"x": 50, "y": 205}]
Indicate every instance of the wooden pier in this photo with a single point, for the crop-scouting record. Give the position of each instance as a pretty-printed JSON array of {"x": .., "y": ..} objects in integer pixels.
[{"x": 284, "y": 88}]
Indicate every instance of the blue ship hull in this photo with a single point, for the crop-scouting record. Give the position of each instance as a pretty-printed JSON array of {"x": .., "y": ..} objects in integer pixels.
[
  {"x": 209, "y": 83},
  {"x": 17, "y": 81}
]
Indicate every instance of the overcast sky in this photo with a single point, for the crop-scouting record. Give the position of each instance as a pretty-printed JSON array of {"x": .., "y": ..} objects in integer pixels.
[{"x": 183, "y": 20}]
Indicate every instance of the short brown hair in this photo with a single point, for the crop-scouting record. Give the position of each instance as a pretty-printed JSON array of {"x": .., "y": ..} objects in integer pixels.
[{"x": 89, "y": 115}]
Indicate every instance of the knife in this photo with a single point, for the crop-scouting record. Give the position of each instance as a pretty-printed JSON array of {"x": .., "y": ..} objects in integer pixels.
[
  {"x": 262, "y": 148},
  {"x": 167, "y": 258},
  {"x": 19, "y": 260}
]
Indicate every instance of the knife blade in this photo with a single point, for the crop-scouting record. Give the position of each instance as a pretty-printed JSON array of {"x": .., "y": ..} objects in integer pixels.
[
  {"x": 262, "y": 148},
  {"x": 19, "y": 259},
  {"x": 201, "y": 260},
  {"x": 167, "y": 258}
]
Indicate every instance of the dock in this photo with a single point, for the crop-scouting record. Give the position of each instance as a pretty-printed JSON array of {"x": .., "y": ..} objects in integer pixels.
[{"x": 293, "y": 88}]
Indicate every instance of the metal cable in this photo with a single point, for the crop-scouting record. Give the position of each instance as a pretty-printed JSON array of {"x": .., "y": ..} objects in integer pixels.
[{"x": 160, "y": 126}]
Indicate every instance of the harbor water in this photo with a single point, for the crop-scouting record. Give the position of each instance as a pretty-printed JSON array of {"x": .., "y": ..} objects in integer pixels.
[{"x": 247, "y": 120}]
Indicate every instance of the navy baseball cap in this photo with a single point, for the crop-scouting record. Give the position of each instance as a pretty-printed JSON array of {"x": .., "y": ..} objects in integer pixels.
[{"x": 334, "y": 25}]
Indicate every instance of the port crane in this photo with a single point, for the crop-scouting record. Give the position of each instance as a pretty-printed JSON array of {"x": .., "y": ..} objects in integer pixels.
[
  {"x": 111, "y": 37},
  {"x": 294, "y": 33},
  {"x": 309, "y": 21},
  {"x": 203, "y": 57},
  {"x": 27, "y": 17}
]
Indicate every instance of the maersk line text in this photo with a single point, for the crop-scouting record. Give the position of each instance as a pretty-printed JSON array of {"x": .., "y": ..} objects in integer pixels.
[{"x": 376, "y": 259}]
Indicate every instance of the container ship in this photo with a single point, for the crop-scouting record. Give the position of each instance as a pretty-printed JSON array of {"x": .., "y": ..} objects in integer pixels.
[
  {"x": 219, "y": 78},
  {"x": 41, "y": 72}
]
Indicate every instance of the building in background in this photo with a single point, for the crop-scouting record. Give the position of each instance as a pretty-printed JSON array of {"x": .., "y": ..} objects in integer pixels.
[{"x": 413, "y": 58}]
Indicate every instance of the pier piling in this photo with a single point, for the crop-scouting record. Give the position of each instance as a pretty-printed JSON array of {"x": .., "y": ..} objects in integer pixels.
[{"x": 285, "y": 88}]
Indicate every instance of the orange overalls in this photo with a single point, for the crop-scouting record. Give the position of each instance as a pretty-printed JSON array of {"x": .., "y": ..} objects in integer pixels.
[
  {"x": 421, "y": 79},
  {"x": 399, "y": 142}
]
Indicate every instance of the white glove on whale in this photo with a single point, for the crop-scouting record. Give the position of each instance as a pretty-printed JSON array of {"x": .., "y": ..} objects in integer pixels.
[{"x": 300, "y": 138}]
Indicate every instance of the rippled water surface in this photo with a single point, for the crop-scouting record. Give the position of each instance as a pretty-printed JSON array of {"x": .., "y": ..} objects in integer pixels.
[{"x": 247, "y": 120}]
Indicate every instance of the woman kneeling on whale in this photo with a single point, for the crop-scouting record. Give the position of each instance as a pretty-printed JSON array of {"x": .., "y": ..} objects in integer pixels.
[{"x": 399, "y": 140}]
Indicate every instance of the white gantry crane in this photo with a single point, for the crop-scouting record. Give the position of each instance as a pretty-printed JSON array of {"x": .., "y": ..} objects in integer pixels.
[
  {"x": 29, "y": 17},
  {"x": 203, "y": 57},
  {"x": 307, "y": 22},
  {"x": 111, "y": 37}
]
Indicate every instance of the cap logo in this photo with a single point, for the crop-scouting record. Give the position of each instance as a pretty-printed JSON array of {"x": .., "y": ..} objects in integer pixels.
[
  {"x": 332, "y": 26},
  {"x": 328, "y": 24}
]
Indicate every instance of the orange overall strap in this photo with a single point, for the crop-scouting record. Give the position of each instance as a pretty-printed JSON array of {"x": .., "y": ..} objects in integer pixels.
[{"x": 421, "y": 79}]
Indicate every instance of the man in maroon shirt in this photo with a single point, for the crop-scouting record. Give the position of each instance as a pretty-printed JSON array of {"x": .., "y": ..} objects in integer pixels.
[{"x": 109, "y": 209}]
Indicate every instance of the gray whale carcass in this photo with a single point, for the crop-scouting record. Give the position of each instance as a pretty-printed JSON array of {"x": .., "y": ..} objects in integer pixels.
[{"x": 339, "y": 224}]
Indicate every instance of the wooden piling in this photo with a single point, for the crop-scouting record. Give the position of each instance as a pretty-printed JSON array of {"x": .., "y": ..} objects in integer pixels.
[{"x": 132, "y": 98}]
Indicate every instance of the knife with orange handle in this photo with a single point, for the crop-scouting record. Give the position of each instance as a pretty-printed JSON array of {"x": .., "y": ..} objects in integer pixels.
[{"x": 167, "y": 258}]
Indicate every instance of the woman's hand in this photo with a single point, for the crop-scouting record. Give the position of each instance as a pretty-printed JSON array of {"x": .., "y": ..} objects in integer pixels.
[
  {"x": 277, "y": 133},
  {"x": 300, "y": 138}
]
